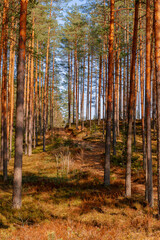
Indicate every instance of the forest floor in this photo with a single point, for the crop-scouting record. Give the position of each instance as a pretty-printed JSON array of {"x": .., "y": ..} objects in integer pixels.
[{"x": 64, "y": 197}]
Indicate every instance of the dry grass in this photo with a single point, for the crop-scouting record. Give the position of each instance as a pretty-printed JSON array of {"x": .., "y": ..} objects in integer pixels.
[{"x": 64, "y": 197}]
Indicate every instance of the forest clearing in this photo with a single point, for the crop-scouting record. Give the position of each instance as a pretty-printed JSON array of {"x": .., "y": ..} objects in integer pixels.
[{"x": 79, "y": 119}]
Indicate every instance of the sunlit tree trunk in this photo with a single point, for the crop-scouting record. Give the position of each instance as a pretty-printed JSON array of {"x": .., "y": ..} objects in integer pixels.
[
  {"x": 17, "y": 182},
  {"x": 87, "y": 103},
  {"x": 11, "y": 79},
  {"x": 124, "y": 92},
  {"x": 36, "y": 103},
  {"x": 31, "y": 91},
  {"x": 157, "y": 62},
  {"x": 4, "y": 89},
  {"x": 99, "y": 89},
  {"x": 104, "y": 75},
  {"x": 27, "y": 105},
  {"x": 131, "y": 102},
  {"x": 91, "y": 89},
  {"x": 109, "y": 98},
  {"x": 135, "y": 103},
  {"x": 117, "y": 91},
  {"x": 142, "y": 97},
  {"x": 40, "y": 99},
  {"x": 149, "y": 184},
  {"x": 96, "y": 87},
  {"x": 82, "y": 103},
  {"x": 52, "y": 104},
  {"x": 45, "y": 107},
  {"x": 69, "y": 91},
  {"x": 114, "y": 110},
  {"x": 120, "y": 90},
  {"x": 76, "y": 77}
]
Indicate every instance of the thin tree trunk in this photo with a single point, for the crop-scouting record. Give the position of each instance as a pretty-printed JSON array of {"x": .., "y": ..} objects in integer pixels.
[
  {"x": 149, "y": 184},
  {"x": 69, "y": 91},
  {"x": 96, "y": 87},
  {"x": 45, "y": 89},
  {"x": 36, "y": 102},
  {"x": 31, "y": 112},
  {"x": 40, "y": 99},
  {"x": 142, "y": 98},
  {"x": 82, "y": 104},
  {"x": 99, "y": 89},
  {"x": 87, "y": 106},
  {"x": 120, "y": 95},
  {"x": 104, "y": 74},
  {"x": 114, "y": 112},
  {"x": 27, "y": 106},
  {"x": 52, "y": 106},
  {"x": 4, "y": 89},
  {"x": 76, "y": 76},
  {"x": 135, "y": 104},
  {"x": 91, "y": 90},
  {"x": 117, "y": 92},
  {"x": 11, "y": 77},
  {"x": 73, "y": 89},
  {"x": 157, "y": 63},
  {"x": 124, "y": 92}
]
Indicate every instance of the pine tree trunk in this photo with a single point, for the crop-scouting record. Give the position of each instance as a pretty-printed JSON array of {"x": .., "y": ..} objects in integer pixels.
[
  {"x": 131, "y": 103},
  {"x": 124, "y": 92},
  {"x": 148, "y": 107},
  {"x": 40, "y": 99},
  {"x": 76, "y": 76},
  {"x": 99, "y": 89},
  {"x": 36, "y": 103},
  {"x": 117, "y": 93},
  {"x": 87, "y": 107},
  {"x": 52, "y": 106},
  {"x": 109, "y": 98},
  {"x": 157, "y": 63},
  {"x": 27, "y": 106},
  {"x": 114, "y": 114},
  {"x": 142, "y": 98},
  {"x": 104, "y": 74},
  {"x": 120, "y": 90},
  {"x": 11, "y": 79},
  {"x": 135, "y": 104},
  {"x": 82, "y": 103},
  {"x": 91, "y": 90},
  {"x": 31, "y": 112},
  {"x": 45, "y": 107},
  {"x": 96, "y": 87},
  {"x": 17, "y": 182},
  {"x": 4, "y": 89},
  {"x": 69, "y": 91}
]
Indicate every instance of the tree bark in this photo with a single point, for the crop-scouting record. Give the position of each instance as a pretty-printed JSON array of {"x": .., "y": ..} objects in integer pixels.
[
  {"x": 4, "y": 89},
  {"x": 82, "y": 103},
  {"x": 45, "y": 107},
  {"x": 91, "y": 91},
  {"x": 109, "y": 98},
  {"x": 131, "y": 102},
  {"x": 149, "y": 184},
  {"x": 31, "y": 92},
  {"x": 87, "y": 106},
  {"x": 99, "y": 89},
  {"x": 142, "y": 98},
  {"x": 17, "y": 182},
  {"x": 157, "y": 62}
]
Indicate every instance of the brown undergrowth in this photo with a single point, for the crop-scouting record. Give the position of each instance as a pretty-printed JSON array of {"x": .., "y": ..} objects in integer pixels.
[{"x": 64, "y": 197}]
